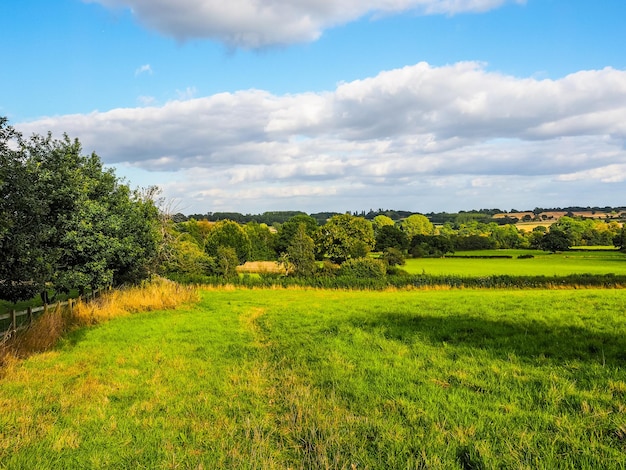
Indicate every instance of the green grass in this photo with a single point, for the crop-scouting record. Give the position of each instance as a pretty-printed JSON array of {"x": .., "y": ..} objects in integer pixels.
[
  {"x": 332, "y": 379},
  {"x": 561, "y": 264}
]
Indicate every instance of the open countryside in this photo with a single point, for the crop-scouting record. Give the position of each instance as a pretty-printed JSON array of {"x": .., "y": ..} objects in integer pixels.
[
  {"x": 381, "y": 340},
  {"x": 300, "y": 235}
]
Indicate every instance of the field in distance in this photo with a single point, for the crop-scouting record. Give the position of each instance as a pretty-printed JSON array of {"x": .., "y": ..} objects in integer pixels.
[
  {"x": 542, "y": 264},
  {"x": 303, "y": 378}
]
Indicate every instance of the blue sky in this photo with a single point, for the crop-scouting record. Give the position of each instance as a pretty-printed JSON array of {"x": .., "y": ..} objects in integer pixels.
[{"x": 315, "y": 105}]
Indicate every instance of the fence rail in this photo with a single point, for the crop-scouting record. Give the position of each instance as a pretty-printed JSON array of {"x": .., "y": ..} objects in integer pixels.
[{"x": 31, "y": 313}]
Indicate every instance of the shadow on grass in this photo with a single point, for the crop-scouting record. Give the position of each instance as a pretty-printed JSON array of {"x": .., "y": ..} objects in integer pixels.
[{"x": 525, "y": 339}]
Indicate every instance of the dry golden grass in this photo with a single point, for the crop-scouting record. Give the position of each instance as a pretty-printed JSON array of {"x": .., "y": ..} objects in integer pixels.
[
  {"x": 260, "y": 267},
  {"x": 160, "y": 294}
]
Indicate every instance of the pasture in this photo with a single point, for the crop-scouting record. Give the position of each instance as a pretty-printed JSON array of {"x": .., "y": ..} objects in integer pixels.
[
  {"x": 302, "y": 378},
  {"x": 543, "y": 263}
]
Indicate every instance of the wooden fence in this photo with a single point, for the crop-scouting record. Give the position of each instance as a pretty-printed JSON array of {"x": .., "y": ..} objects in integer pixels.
[{"x": 19, "y": 323}]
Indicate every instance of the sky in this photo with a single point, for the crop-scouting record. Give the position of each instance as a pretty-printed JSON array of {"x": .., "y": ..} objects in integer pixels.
[{"x": 331, "y": 105}]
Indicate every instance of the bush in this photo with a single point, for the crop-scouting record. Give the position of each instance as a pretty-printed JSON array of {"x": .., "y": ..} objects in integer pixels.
[
  {"x": 364, "y": 268},
  {"x": 327, "y": 269}
]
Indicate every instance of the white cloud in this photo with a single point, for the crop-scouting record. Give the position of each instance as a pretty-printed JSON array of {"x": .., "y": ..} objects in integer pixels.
[
  {"x": 254, "y": 23},
  {"x": 418, "y": 133},
  {"x": 143, "y": 69}
]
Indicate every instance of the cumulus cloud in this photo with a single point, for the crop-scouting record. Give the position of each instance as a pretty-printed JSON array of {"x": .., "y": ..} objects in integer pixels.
[
  {"x": 255, "y": 24},
  {"x": 408, "y": 133}
]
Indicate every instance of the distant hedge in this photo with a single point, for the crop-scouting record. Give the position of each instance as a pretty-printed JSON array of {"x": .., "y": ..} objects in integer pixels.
[{"x": 607, "y": 281}]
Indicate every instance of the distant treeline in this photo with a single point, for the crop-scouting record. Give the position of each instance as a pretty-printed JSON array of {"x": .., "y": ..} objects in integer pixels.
[{"x": 438, "y": 218}]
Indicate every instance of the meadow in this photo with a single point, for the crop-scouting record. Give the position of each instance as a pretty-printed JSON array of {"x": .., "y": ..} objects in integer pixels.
[
  {"x": 303, "y": 378},
  {"x": 543, "y": 263}
]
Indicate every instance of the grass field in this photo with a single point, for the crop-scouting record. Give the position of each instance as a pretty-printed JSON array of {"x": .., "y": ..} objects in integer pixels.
[
  {"x": 561, "y": 264},
  {"x": 331, "y": 379}
]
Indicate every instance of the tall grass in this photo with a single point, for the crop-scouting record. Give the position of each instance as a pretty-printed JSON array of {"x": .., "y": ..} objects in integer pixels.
[{"x": 159, "y": 294}]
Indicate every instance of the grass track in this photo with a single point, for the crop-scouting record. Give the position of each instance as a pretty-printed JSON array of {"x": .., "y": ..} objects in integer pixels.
[{"x": 332, "y": 379}]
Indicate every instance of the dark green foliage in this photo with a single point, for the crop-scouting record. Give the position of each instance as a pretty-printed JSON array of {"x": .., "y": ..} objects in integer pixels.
[
  {"x": 393, "y": 257},
  {"x": 301, "y": 252},
  {"x": 262, "y": 242},
  {"x": 389, "y": 236},
  {"x": 555, "y": 240},
  {"x": 363, "y": 268},
  {"x": 66, "y": 222},
  {"x": 473, "y": 242},
  {"x": 227, "y": 233},
  {"x": 287, "y": 231},
  {"x": 620, "y": 239},
  {"x": 343, "y": 237},
  {"x": 430, "y": 245},
  {"x": 226, "y": 262}
]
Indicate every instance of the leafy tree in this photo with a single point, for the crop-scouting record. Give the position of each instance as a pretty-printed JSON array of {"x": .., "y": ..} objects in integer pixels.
[
  {"x": 430, "y": 245},
  {"x": 620, "y": 239},
  {"x": 389, "y": 236},
  {"x": 381, "y": 221},
  {"x": 227, "y": 261},
  {"x": 262, "y": 242},
  {"x": 301, "y": 253},
  {"x": 393, "y": 257},
  {"x": 227, "y": 233},
  {"x": 288, "y": 230},
  {"x": 417, "y": 224},
  {"x": 23, "y": 271},
  {"x": 344, "y": 236},
  {"x": 473, "y": 242},
  {"x": 506, "y": 236},
  {"x": 71, "y": 223},
  {"x": 555, "y": 240}
]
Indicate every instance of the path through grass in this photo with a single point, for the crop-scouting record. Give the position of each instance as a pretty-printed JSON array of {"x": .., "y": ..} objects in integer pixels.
[{"x": 332, "y": 379}]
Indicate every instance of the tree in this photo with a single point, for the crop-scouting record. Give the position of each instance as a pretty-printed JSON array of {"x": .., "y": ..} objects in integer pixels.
[
  {"x": 620, "y": 239},
  {"x": 430, "y": 245},
  {"x": 287, "y": 231},
  {"x": 262, "y": 242},
  {"x": 381, "y": 221},
  {"x": 344, "y": 236},
  {"x": 555, "y": 240},
  {"x": 23, "y": 270},
  {"x": 393, "y": 257},
  {"x": 227, "y": 261},
  {"x": 389, "y": 236},
  {"x": 417, "y": 224},
  {"x": 227, "y": 233},
  {"x": 66, "y": 222},
  {"x": 301, "y": 253}
]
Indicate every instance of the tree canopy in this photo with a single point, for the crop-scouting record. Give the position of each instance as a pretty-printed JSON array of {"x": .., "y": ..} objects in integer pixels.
[{"x": 66, "y": 221}]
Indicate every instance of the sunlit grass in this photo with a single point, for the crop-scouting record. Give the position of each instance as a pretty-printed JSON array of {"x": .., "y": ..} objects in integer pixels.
[
  {"x": 158, "y": 294},
  {"x": 562, "y": 264},
  {"x": 331, "y": 379}
]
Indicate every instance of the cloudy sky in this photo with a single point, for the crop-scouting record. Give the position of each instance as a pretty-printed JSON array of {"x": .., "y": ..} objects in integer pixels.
[{"x": 331, "y": 105}]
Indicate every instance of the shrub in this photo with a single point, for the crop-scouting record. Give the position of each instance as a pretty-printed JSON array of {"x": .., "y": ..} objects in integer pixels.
[
  {"x": 364, "y": 268},
  {"x": 327, "y": 269}
]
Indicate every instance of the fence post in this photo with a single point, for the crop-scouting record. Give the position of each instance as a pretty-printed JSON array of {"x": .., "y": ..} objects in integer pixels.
[
  {"x": 13, "y": 322},
  {"x": 30, "y": 315},
  {"x": 69, "y": 304}
]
